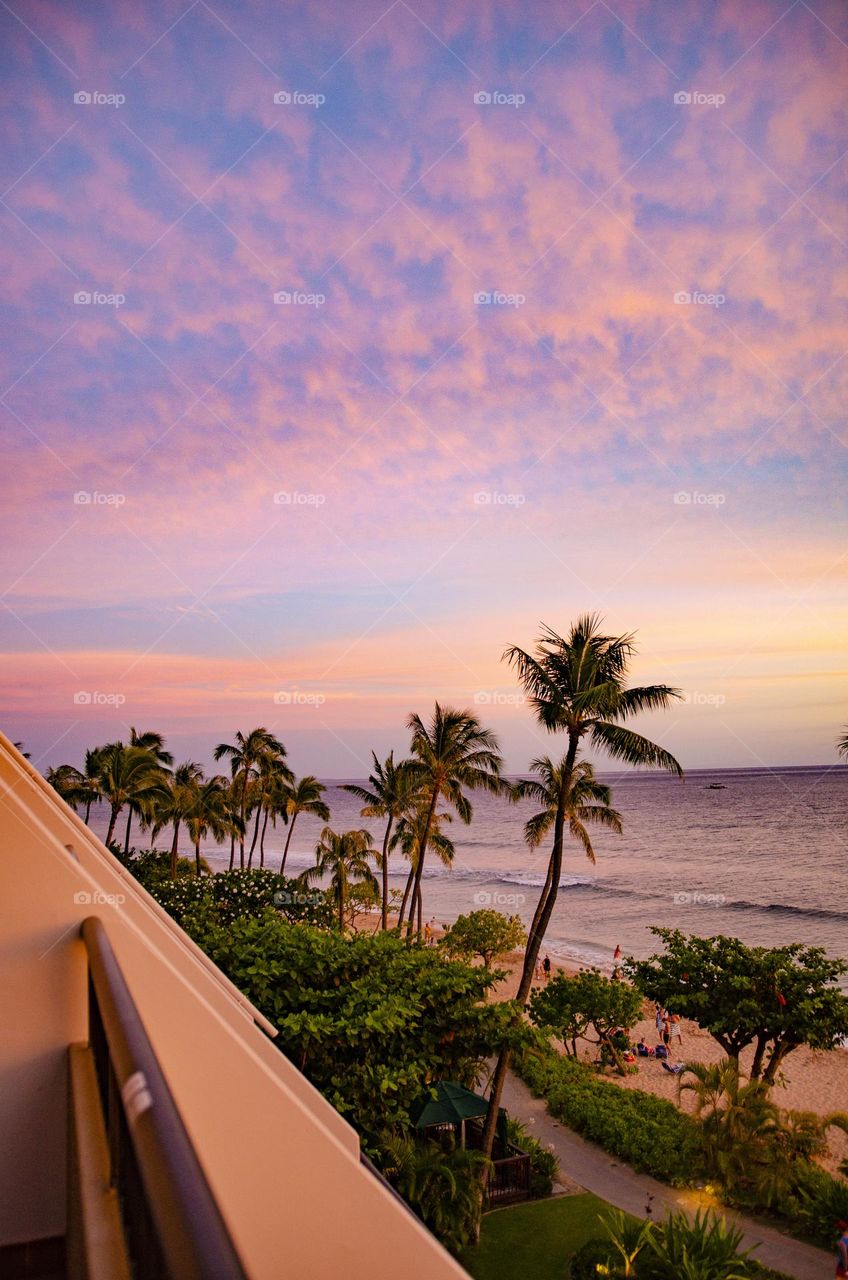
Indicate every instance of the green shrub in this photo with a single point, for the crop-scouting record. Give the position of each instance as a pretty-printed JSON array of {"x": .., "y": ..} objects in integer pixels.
[
  {"x": 544, "y": 1166},
  {"x": 818, "y": 1200},
  {"x": 650, "y": 1133}
]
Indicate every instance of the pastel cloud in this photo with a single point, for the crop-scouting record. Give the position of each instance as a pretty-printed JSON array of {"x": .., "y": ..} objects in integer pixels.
[{"x": 397, "y": 399}]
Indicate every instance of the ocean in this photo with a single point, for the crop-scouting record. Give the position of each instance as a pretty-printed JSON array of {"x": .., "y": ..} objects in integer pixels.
[{"x": 761, "y": 854}]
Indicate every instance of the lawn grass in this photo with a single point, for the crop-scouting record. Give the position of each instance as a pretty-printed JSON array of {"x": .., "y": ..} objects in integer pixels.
[{"x": 532, "y": 1241}]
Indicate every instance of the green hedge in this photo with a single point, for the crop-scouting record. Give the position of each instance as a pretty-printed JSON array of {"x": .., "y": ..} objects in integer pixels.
[{"x": 651, "y": 1134}]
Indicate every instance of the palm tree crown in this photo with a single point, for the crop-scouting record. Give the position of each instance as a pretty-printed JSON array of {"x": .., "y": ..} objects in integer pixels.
[
  {"x": 390, "y": 794},
  {"x": 296, "y": 797},
  {"x": 452, "y": 754},
  {"x": 345, "y": 858},
  {"x": 245, "y": 755}
]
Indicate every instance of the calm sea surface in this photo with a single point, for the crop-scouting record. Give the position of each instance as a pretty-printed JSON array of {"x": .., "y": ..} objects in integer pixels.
[{"x": 760, "y": 854}]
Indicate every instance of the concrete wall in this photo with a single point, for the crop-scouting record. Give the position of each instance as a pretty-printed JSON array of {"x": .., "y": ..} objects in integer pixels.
[{"x": 282, "y": 1163}]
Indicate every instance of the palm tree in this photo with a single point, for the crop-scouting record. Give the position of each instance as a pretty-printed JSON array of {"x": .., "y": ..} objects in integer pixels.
[
  {"x": 585, "y": 801},
  {"x": 245, "y": 755},
  {"x": 408, "y": 836},
  {"x": 274, "y": 774},
  {"x": 209, "y": 812},
  {"x": 842, "y": 745},
  {"x": 346, "y": 858},
  {"x": 300, "y": 797},
  {"x": 177, "y": 804},
  {"x": 444, "y": 1186},
  {"x": 389, "y": 794},
  {"x": 576, "y": 686},
  {"x": 155, "y": 744},
  {"x": 67, "y": 781},
  {"x": 128, "y": 774},
  {"x": 452, "y": 753}
]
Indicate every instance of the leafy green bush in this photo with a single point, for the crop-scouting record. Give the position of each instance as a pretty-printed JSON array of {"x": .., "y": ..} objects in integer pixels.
[
  {"x": 369, "y": 1020},
  {"x": 817, "y": 1201},
  {"x": 544, "y": 1166},
  {"x": 650, "y": 1133}
]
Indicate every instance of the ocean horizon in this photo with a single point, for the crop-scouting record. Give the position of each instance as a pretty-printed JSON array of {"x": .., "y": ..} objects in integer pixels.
[{"x": 757, "y": 853}]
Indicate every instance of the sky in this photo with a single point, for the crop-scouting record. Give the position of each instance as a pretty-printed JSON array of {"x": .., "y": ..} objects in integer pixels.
[{"x": 344, "y": 344}]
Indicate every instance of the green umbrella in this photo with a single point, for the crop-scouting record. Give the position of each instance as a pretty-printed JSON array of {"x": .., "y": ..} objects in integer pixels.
[{"x": 452, "y": 1104}]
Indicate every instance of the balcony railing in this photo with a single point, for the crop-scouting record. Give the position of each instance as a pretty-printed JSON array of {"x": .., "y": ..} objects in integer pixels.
[{"x": 172, "y": 1226}]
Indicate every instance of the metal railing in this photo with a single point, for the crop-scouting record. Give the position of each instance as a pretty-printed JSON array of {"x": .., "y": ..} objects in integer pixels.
[{"x": 173, "y": 1226}]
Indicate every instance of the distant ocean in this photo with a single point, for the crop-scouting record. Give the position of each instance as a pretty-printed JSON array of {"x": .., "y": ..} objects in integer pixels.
[{"x": 758, "y": 853}]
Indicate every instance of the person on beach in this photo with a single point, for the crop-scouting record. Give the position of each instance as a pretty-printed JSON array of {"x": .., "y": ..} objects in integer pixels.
[
  {"x": 660, "y": 1020},
  {"x": 675, "y": 1030},
  {"x": 433, "y": 931},
  {"x": 428, "y": 934},
  {"x": 546, "y": 967},
  {"x": 842, "y": 1249}
]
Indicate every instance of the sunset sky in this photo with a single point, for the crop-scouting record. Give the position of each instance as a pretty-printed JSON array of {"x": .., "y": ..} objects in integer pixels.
[{"x": 222, "y": 510}]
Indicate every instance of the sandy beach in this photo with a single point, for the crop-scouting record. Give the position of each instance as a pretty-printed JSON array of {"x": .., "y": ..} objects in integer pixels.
[{"x": 812, "y": 1080}]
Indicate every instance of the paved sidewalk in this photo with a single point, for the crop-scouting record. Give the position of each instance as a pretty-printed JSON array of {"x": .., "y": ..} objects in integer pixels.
[{"x": 621, "y": 1186}]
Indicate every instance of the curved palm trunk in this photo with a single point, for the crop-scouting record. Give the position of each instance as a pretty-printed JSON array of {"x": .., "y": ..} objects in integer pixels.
[
  {"x": 89, "y": 802},
  {"x": 197, "y": 856},
  {"x": 288, "y": 842},
  {"x": 174, "y": 845},
  {"x": 541, "y": 920},
  {"x": 127, "y": 836},
  {"x": 384, "y": 919},
  {"x": 409, "y": 881},
  {"x": 113, "y": 818},
  {"x": 232, "y": 852},
  {"x": 422, "y": 849},
  {"x": 255, "y": 834},
  {"x": 243, "y": 817},
  {"x": 262, "y": 840},
  {"x": 341, "y": 903}
]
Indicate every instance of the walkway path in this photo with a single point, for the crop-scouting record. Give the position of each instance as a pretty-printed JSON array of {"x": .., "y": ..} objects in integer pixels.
[{"x": 621, "y": 1186}]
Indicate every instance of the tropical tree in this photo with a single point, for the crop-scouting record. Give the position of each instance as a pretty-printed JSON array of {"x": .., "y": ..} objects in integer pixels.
[
  {"x": 303, "y": 796},
  {"x": 209, "y": 813},
  {"x": 752, "y": 1146},
  {"x": 127, "y": 775},
  {"x": 569, "y": 1006},
  {"x": 774, "y": 998},
  {"x": 177, "y": 804},
  {"x": 842, "y": 744},
  {"x": 345, "y": 857},
  {"x": 408, "y": 836},
  {"x": 245, "y": 756},
  {"x": 449, "y": 756},
  {"x": 389, "y": 794},
  {"x": 576, "y": 685},
  {"x": 155, "y": 744},
  {"x": 485, "y": 933},
  {"x": 442, "y": 1186}
]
